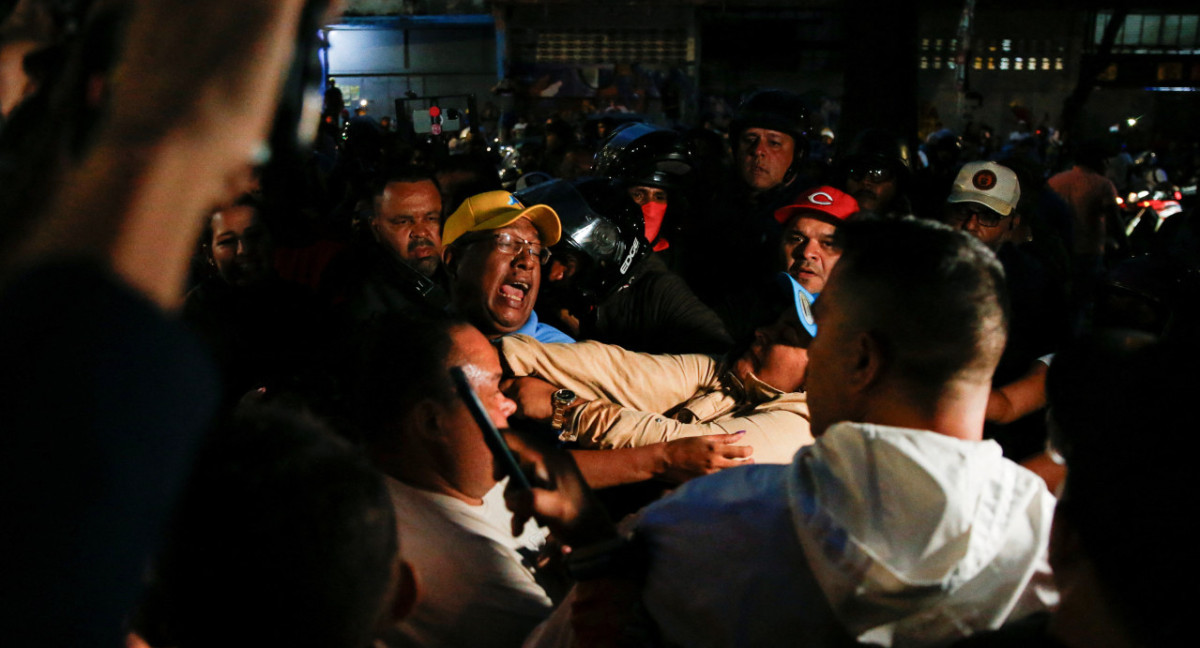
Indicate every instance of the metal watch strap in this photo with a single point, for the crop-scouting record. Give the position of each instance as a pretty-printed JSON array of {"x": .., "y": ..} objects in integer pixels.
[{"x": 560, "y": 401}]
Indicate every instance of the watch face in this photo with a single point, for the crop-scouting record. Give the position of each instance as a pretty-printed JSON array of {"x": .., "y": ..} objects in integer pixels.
[{"x": 564, "y": 396}]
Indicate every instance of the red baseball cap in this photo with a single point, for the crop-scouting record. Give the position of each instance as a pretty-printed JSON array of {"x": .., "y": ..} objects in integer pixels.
[{"x": 826, "y": 203}]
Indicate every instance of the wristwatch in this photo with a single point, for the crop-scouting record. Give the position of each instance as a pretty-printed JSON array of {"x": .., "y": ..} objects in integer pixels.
[{"x": 561, "y": 400}]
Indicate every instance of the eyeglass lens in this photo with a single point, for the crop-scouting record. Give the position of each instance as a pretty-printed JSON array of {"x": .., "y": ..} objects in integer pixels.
[
  {"x": 986, "y": 217},
  {"x": 509, "y": 244}
]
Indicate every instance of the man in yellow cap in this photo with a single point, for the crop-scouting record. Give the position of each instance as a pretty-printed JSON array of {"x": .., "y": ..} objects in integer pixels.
[{"x": 494, "y": 249}]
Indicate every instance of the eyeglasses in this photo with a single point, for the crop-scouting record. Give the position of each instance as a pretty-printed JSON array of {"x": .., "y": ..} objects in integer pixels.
[
  {"x": 876, "y": 175},
  {"x": 963, "y": 212},
  {"x": 511, "y": 245}
]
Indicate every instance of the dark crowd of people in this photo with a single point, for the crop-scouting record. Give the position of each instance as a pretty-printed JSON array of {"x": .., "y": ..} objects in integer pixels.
[{"x": 751, "y": 386}]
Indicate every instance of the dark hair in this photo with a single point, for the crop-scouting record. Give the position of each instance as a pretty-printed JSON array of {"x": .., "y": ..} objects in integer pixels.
[
  {"x": 403, "y": 359},
  {"x": 1120, "y": 409},
  {"x": 935, "y": 296},
  {"x": 284, "y": 536},
  {"x": 402, "y": 173}
]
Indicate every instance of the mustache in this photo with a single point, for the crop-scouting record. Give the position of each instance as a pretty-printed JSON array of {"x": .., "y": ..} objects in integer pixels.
[{"x": 419, "y": 242}]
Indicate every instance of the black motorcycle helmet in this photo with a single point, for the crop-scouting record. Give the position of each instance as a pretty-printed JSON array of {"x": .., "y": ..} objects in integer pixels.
[
  {"x": 876, "y": 145},
  {"x": 601, "y": 224},
  {"x": 777, "y": 110},
  {"x": 640, "y": 154}
]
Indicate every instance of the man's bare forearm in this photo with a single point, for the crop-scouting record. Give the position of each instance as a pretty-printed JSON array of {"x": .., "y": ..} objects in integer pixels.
[{"x": 604, "y": 468}]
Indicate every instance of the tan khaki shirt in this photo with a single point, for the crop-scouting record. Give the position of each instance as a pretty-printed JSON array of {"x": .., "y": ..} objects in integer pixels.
[{"x": 637, "y": 399}]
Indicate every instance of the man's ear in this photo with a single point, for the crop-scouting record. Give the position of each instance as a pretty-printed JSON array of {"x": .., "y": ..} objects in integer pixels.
[
  {"x": 408, "y": 591},
  {"x": 867, "y": 362},
  {"x": 426, "y": 417},
  {"x": 372, "y": 219},
  {"x": 1014, "y": 226}
]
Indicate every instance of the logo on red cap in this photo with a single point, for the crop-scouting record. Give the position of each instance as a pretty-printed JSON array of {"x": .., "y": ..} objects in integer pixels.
[
  {"x": 820, "y": 198},
  {"x": 984, "y": 180}
]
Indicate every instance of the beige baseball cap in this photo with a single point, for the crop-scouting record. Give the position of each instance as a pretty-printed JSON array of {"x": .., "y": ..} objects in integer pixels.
[{"x": 989, "y": 184}]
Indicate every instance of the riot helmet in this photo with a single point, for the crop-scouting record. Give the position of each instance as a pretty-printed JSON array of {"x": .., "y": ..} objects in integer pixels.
[
  {"x": 876, "y": 146},
  {"x": 601, "y": 225},
  {"x": 777, "y": 110},
  {"x": 642, "y": 154}
]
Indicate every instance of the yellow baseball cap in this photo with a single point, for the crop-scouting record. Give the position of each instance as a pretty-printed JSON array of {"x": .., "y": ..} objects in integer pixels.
[{"x": 495, "y": 209}]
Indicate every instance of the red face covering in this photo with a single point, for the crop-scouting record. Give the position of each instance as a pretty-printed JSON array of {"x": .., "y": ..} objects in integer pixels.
[{"x": 654, "y": 213}]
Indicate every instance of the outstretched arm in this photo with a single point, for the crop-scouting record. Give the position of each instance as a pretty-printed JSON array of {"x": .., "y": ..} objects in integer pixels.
[
  {"x": 675, "y": 461},
  {"x": 776, "y": 433},
  {"x": 593, "y": 370}
]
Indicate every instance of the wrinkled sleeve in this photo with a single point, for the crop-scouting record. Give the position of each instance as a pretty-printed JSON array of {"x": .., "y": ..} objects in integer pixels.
[
  {"x": 775, "y": 435},
  {"x": 640, "y": 381}
]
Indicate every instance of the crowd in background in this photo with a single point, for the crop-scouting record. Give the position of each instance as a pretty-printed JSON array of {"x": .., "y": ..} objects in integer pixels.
[{"x": 765, "y": 385}]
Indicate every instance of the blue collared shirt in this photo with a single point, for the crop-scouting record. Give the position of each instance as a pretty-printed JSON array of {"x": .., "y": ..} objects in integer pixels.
[{"x": 542, "y": 332}]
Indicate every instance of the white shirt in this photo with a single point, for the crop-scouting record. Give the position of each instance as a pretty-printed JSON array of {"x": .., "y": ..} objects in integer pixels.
[
  {"x": 896, "y": 537},
  {"x": 475, "y": 580}
]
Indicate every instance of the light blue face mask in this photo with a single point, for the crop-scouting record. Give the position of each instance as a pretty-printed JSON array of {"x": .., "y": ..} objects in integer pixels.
[{"x": 802, "y": 301}]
